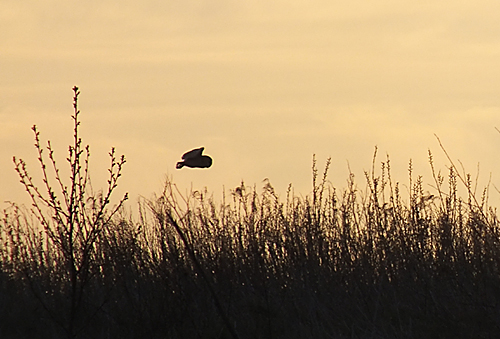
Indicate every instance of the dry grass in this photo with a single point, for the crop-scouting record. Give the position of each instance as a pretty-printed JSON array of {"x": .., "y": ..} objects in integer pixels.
[{"x": 350, "y": 263}]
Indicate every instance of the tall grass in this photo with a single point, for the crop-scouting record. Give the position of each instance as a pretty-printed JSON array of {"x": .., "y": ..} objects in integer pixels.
[{"x": 357, "y": 262}]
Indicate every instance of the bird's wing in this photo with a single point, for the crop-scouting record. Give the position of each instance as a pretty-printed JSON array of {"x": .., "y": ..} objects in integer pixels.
[{"x": 193, "y": 153}]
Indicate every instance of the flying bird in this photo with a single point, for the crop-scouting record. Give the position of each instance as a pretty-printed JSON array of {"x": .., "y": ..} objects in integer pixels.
[{"x": 194, "y": 159}]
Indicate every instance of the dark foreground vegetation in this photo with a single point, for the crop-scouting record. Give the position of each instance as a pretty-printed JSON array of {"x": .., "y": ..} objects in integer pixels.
[{"x": 350, "y": 263}]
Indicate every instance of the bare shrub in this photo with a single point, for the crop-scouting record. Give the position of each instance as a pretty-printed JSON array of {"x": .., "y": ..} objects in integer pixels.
[{"x": 59, "y": 260}]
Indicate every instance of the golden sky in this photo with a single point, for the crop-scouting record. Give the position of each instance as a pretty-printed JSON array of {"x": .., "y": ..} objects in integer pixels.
[{"x": 262, "y": 85}]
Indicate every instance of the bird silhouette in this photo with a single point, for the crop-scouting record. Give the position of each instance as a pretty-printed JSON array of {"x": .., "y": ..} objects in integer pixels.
[{"x": 194, "y": 159}]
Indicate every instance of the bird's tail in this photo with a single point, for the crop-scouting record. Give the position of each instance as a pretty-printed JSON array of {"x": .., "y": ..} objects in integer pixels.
[{"x": 179, "y": 165}]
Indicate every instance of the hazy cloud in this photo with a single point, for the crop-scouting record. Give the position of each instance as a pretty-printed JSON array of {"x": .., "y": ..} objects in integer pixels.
[{"x": 262, "y": 85}]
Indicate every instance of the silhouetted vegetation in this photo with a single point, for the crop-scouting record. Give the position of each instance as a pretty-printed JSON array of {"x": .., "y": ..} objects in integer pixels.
[{"x": 338, "y": 263}]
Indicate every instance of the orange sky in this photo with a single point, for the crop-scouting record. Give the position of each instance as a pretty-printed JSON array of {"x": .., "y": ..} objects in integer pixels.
[{"x": 262, "y": 85}]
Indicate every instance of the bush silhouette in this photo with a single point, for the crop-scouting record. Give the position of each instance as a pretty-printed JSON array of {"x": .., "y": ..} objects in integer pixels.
[
  {"x": 357, "y": 262},
  {"x": 63, "y": 258}
]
